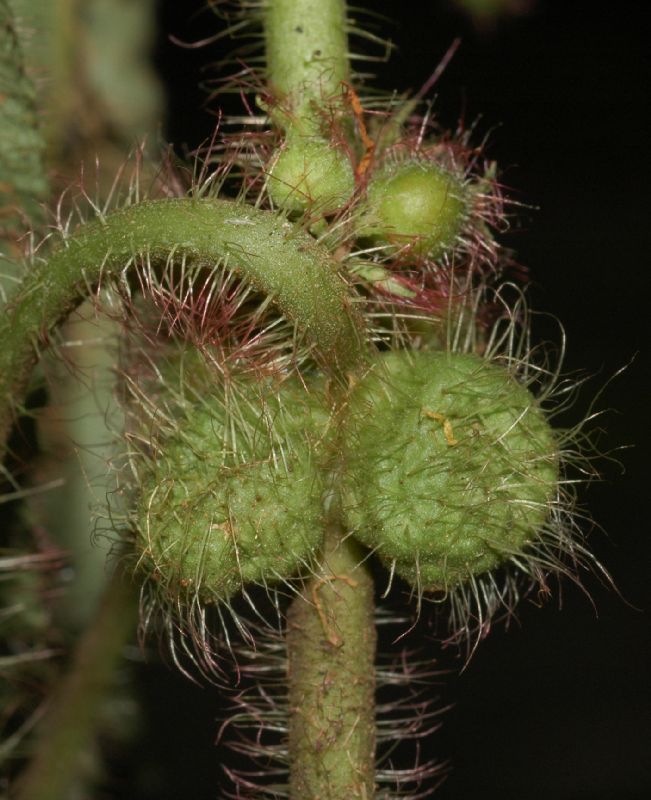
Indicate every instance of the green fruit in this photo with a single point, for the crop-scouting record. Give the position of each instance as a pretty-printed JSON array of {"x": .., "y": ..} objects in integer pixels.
[
  {"x": 417, "y": 204},
  {"x": 451, "y": 466},
  {"x": 311, "y": 174},
  {"x": 235, "y": 496}
]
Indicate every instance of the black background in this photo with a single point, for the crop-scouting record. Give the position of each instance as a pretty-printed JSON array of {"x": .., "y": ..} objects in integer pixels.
[{"x": 559, "y": 705}]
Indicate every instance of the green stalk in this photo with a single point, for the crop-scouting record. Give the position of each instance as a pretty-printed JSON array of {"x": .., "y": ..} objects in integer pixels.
[
  {"x": 71, "y": 718},
  {"x": 307, "y": 56},
  {"x": 307, "y": 76},
  {"x": 331, "y": 647},
  {"x": 274, "y": 256},
  {"x": 331, "y": 629}
]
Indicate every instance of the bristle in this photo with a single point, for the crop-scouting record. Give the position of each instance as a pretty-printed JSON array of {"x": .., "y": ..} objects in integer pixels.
[{"x": 256, "y": 726}]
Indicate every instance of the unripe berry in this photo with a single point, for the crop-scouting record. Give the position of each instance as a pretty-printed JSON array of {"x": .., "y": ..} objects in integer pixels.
[
  {"x": 234, "y": 497},
  {"x": 310, "y": 174},
  {"x": 417, "y": 204},
  {"x": 452, "y": 466}
]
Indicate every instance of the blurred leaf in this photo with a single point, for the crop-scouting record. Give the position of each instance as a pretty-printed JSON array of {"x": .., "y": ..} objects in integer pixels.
[{"x": 23, "y": 184}]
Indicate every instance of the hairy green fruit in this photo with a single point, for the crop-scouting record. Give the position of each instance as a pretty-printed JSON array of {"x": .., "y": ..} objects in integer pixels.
[
  {"x": 311, "y": 174},
  {"x": 452, "y": 466},
  {"x": 234, "y": 497},
  {"x": 417, "y": 204}
]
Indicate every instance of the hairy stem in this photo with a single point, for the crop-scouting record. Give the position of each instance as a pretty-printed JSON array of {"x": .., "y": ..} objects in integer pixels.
[
  {"x": 73, "y": 714},
  {"x": 274, "y": 256},
  {"x": 331, "y": 632},
  {"x": 331, "y": 646},
  {"x": 307, "y": 56}
]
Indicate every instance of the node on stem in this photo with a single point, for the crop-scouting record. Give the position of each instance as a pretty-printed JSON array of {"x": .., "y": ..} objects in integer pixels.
[{"x": 310, "y": 174}]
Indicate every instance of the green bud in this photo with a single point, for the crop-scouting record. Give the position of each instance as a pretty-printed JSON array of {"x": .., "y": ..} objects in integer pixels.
[
  {"x": 311, "y": 174},
  {"x": 414, "y": 203},
  {"x": 234, "y": 497},
  {"x": 452, "y": 466}
]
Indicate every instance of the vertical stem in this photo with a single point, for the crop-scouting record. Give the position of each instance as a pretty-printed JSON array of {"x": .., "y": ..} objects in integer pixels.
[
  {"x": 73, "y": 715},
  {"x": 307, "y": 55},
  {"x": 331, "y": 631},
  {"x": 331, "y": 647}
]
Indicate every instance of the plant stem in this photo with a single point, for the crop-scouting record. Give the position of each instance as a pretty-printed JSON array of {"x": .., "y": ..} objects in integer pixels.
[
  {"x": 331, "y": 629},
  {"x": 307, "y": 56},
  {"x": 73, "y": 714},
  {"x": 331, "y": 647},
  {"x": 274, "y": 256}
]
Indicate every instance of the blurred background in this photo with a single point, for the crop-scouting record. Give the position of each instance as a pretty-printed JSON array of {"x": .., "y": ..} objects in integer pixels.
[{"x": 558, "y": 705}]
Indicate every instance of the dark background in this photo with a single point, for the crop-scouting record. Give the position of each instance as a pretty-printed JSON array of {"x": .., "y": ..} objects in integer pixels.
[{"x": 559, "y": 705}]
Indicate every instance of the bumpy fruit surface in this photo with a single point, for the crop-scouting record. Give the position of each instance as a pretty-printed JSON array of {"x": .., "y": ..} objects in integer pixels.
[
  {"x": 235, "y": 497},
  {"x": 451, "y": 466},
  {"x": 417, "y": 204}
]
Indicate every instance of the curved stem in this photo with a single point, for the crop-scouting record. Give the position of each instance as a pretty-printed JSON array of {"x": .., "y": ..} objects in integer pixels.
[
  {"x": 331, "y": 647},
  {"x": 270, "y": 253}
]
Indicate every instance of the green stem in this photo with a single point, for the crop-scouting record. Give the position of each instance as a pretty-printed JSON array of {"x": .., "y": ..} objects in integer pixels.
[
  {"x": 72, "y": 716},
  {"x": 331, "y": 631},
  {"x": 307, "y": 75},
  {"x": 307, "y": 56},
  {"x": 274, "y": 256},
  {"x": 331, "y": 646}
]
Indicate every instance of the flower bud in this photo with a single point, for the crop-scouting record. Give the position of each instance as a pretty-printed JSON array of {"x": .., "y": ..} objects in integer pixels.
[
  {"x": 311, "y": 174},
  {"x": 417, "y": 204}
]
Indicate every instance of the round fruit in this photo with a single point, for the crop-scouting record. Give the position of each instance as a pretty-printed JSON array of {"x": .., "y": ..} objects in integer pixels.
[
  {"x": 417, "y": 204},
  {"x": 451, "y": 466},
  {"x": 234, "y": 497}
]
